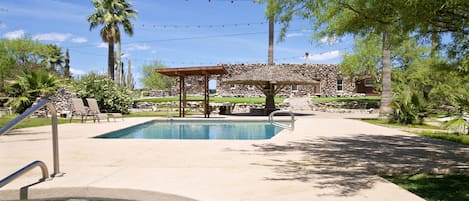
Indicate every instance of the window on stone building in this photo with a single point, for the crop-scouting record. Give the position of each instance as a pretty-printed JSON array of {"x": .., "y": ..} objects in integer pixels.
[
  {"x": 340, "y": 85},
  {"x": 370, "y": 83},
  {"x": 232, "y": 86},
  {"x": 294, "y": 88}
]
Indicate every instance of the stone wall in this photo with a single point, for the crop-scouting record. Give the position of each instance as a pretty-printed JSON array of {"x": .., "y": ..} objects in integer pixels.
[
  {"x": 62, "y": 101},
  {"x": 347, "y": 107},
  {"x": 194, "y": 85},
  {"x": 327, "y": 74}
]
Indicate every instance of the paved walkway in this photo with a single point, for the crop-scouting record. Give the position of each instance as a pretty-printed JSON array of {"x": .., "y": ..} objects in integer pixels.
[
  {"x": 299, "y": 104},
  {"x": 325, "y": 158}
]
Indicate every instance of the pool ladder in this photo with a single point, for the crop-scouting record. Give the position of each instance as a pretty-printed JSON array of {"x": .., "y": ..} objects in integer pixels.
[
  {"x": 55, "y": 143},
  {"x": 292, "y": 123}
]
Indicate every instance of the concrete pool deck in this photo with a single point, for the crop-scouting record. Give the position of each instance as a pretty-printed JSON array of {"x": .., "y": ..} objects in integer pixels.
[{"x": 327, "y": 157}]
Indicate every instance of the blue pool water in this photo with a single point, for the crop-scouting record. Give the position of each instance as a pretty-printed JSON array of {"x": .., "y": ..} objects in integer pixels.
[{"x": 218, "y": 130}]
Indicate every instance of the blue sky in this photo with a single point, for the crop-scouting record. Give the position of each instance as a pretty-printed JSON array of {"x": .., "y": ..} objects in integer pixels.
[{"x": 178, "y": 33}]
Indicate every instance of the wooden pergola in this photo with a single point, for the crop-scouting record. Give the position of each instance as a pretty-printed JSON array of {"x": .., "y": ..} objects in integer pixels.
[{"x": 182, "y": 73}]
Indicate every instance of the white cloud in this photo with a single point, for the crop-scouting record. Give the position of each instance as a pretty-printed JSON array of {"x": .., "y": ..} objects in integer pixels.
[
  {"x": 14, "y": 34},
  {"x": 77, "y": 72},
  {"x": 79, "y": 40},
  {"x": 294, "y": 35},
  {"x": 125, "y": 55},
  {"x": 101, "y": 45},
  {"x": 329, "y": 40},
  {"x": 135, "y": 46},
  {"x": 59, "y": 37},
  {"x": 325, "y": 56}
]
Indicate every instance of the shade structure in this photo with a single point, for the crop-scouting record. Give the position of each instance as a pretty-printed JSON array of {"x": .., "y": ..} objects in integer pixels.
[
  {"x": 273, "y": 74},
  {"x": 271, "y": 79},
  {"x": 182, "y": 73},
  {"x": 191, "y": 71}
]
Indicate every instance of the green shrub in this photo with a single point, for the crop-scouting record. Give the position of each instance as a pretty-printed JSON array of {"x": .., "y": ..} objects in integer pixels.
[
  {"x": 409, "y": 108},
  {"x": 28, "y": 87},
  {"x": 110, "y": 96}
]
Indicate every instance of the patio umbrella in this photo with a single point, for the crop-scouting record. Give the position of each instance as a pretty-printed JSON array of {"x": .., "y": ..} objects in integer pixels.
[{"x": 271, "y": 79}]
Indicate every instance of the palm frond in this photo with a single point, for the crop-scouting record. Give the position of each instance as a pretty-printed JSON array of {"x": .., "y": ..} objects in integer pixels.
[{"x": 458, "y": 124}]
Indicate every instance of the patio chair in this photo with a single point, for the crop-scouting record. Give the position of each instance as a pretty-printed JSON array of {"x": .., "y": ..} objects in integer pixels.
[
  {"x": 79, "y": 109},
  {"x": 94, "y": 109}
]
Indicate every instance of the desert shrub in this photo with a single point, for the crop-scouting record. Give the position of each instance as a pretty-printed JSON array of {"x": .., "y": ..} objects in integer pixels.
[{"x": 110, "y": 96}]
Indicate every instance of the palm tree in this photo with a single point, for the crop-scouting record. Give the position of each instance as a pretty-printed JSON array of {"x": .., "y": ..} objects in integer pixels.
[
  {"x": 110, "y": 14},
  {"x": 34, "y": 84},
  {"x": 52, "y": 55}
]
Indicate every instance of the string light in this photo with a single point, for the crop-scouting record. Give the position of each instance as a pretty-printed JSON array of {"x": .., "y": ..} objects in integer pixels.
[
  {"x": 231, "y": 1},
  {"x": 247, "y": 61},
  {"x": 198, "y": 26}
]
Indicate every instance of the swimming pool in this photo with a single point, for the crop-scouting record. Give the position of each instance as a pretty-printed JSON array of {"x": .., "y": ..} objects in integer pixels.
[{"x": 197, "y": 130}]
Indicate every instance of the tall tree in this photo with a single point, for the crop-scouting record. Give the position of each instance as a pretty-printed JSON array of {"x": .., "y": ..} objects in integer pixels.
[
  {"x": 339, "y": 18},
  {"x": 6, "y": 66},
  {"x": 364, "y": 59},
  {"x": 110, "y": 14},
  {"x": 153, "y": 80},
  {"x": 25, "y": 52},
  {"x": 52, "y": 56}
]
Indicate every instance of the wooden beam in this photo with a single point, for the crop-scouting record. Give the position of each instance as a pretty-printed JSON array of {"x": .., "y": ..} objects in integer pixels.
[
  {"x": 279, "y": 88},
  {"x": 181, "y": 82},
  {"x": 206, "y": 97}
]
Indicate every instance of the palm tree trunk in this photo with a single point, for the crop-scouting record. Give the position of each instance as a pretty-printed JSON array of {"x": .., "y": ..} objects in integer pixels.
[
  {"x": 52, "y": 67},
  {"x": 110, "y": 60},
  {"x": 271, "y": 42},
  {"x": 385, "y": 109},
  {"x": 269, "y": 92},
  {"x": 118, "y": 68}
]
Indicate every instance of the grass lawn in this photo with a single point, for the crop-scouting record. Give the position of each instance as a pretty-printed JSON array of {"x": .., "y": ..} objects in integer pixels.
[
  {"x": 346, "y": 99},
  {"x": 432, "y": 187},
  {"x": 33, "y": 122},
  {"x": 256, "y": 100},
  {"x": 462, "y": 139},
  {"x": 397, "y": 125}
]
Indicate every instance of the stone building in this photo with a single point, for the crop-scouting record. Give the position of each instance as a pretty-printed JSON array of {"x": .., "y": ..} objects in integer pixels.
[{"x": 331, "y": 82}]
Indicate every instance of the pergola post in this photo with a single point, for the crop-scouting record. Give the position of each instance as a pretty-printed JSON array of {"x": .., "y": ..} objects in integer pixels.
[
  {"x": 206, "y": 97},
  {"x": 182, "y": 96}
]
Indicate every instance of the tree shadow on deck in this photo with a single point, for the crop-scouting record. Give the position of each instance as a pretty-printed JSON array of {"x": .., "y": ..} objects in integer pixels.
[{"x": 348, "y": 164}]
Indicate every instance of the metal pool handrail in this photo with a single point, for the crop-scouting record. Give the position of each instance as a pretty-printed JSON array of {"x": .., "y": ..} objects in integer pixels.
[
  {"x": 292, "y": 124},
  {"x": 24, "y": 170},
  {"x": 55, "y": 138}
]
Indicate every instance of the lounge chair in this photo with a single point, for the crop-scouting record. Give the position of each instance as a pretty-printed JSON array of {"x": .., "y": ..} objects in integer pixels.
[
  {"x": 79, "y": 109},
  {"x": 94, "y": 109}
]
